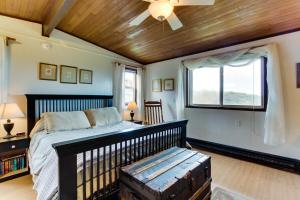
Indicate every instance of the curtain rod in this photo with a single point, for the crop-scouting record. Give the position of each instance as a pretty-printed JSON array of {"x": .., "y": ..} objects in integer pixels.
[
  {"x": 8, "y": 39},
  {"x": 182, "y": 61},
  {"x": 129, "y": 65}
]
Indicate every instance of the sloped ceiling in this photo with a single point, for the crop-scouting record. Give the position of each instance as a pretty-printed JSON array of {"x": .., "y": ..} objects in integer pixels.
[{"x": 105, "y": 23}]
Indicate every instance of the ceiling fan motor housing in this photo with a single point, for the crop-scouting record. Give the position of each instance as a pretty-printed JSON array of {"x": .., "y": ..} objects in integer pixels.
[{"x": 160, "y": 10}]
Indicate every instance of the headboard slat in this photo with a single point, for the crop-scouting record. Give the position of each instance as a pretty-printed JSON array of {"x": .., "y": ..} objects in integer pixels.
[{"x": 37, "y": 104}]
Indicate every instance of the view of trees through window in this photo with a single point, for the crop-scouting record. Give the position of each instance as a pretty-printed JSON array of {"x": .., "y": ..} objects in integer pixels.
[
  {"x": 130, "y": 86},
  {"x": 228, "y": 86},
  {"x": 206, "y": 86},
  {"x": 243, "y": 85}
]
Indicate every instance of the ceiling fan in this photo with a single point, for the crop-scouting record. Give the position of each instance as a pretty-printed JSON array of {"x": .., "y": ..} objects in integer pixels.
[{"x": 163, "y": 10}]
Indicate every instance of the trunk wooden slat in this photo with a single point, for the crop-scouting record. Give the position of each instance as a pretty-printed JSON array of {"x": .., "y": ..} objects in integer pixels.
[{"x": 175, "y": 173}]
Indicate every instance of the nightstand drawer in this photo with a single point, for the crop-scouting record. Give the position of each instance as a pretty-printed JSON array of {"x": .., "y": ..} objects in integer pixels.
[{"x": 14, "y": 145}]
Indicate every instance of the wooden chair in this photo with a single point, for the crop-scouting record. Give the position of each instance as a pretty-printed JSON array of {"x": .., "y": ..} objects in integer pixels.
[{"x": 153, "y": 112}]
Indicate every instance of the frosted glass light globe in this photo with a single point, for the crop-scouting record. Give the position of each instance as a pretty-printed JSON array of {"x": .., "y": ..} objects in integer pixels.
[{"x": 160, "y": 10}]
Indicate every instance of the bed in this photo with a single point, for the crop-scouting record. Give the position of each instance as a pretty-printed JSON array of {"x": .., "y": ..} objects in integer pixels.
[{"x": 83, "y": 164}]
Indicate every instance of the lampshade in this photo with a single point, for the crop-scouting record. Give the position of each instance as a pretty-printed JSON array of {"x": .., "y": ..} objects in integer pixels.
[
  {"x": 10, "y": 111},
  {"x": 132, "y": 106},
  {"x": 160, "y": 10}
]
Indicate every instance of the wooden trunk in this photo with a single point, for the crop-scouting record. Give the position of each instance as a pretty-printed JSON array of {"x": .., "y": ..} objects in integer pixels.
[{"x": 175, "y": 173}]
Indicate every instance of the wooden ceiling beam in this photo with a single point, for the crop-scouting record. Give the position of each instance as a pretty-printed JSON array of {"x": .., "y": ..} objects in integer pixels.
[{"x": 56, "y": 14}]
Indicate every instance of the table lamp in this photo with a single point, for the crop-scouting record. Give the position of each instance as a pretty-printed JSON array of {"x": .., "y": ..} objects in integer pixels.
[
  {"x": 132, "y": 106},
  {"x": 9, "y": 111}
]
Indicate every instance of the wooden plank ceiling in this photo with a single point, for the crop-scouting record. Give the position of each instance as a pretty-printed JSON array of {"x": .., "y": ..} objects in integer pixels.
[
  {"x": 32, "y": 10},
  {"x": 105, "y": 23}
]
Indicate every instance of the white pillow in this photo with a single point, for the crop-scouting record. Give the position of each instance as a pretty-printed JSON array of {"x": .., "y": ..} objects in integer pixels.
[
  {"x": 103, "y": 116},
  {"x": 65, "y": 121},
  {"x": 112, "y": 115},
  {"x": 96, "y": 117},
  {"x": 39, "y": 126}
]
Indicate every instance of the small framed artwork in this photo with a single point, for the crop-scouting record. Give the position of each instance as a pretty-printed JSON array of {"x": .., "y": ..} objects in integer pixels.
[
  {"x": 156, "y": 85},
  {"x": 169, "y": 84},
  {"x": 68, "y": 74},
  {"x": 48, "y": 72},
  {"x": 298, "y": 75},
  {"x": 85, "y": 76}
]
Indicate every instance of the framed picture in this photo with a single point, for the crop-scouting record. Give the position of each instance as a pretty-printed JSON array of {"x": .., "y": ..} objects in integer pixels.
[
  {"x": 85, "y": 76},
  {"x": 48, "y": 72},
  {"x": 298, "y": 75},
  {"x": 68, "y": 74},
  {"x": 169, "y": 84},
  {"x": 156, "y": 85}
]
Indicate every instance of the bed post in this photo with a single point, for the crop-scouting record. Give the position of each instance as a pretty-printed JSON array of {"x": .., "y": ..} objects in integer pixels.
[
  {"x": 67, "y": 177},
  {"x": 30, "y": 113},
  {"x": 183, "y": 137}
]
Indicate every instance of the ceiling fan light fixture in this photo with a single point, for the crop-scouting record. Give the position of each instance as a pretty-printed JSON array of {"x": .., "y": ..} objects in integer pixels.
[{"x": 160, "y": 10}]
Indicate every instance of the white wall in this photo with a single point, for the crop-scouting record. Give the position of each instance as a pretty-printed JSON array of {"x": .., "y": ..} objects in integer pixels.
[
  {"x": 220, "y": 125},
  {"x": 27, "y": 52}
]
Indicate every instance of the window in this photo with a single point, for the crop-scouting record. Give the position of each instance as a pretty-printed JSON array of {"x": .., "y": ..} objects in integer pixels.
[
  {"x": 227, "y": 87},
  {"x": 130, "y": 85}
]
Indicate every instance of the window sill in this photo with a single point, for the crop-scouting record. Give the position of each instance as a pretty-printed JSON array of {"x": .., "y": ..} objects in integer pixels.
[{"x": 227, "y": 108}]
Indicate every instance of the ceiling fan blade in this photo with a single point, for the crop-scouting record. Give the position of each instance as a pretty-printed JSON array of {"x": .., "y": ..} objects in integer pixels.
[
  {"x": 139, "y": 19},
  {"x": 193, "y": 2},
  {"x": 174, "y": 22}
]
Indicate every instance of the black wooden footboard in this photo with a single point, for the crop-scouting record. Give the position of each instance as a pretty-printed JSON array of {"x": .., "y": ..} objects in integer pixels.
[{"x": 100, "y": 157}]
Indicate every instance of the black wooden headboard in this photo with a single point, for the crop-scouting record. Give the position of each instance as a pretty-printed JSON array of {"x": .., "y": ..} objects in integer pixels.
[{"x": 40, "y": 103}]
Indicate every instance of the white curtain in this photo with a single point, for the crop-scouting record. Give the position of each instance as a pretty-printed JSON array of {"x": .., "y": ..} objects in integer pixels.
[
  {"x": 119, "y": 89},
  {"x": 180, "y": 103},
  {"x": 3, "y": 70},
  {"x": 275, "y": 117},
  {"x": 140, "y": 93}
]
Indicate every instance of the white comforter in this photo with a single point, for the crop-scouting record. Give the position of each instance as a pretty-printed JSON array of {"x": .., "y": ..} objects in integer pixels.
[{"x": 43, "y": 159}]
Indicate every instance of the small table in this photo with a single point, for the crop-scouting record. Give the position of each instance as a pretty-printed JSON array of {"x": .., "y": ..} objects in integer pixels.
[
  {"x": 13, "y": 157},
  {"x": 136, "y": 121}
]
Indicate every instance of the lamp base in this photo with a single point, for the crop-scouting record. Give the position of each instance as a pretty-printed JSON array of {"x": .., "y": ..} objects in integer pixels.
[
  {"x": 132, "y": 115},
  {"x": 9, "y": 136},
  {"x": 8, "y": 127}
]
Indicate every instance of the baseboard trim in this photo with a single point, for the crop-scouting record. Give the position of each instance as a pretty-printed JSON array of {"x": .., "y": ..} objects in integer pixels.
[{"x": 278, "y": 162}]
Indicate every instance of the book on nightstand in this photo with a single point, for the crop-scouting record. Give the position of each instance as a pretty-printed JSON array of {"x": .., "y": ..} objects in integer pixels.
[{"x": 12, "y": 164}]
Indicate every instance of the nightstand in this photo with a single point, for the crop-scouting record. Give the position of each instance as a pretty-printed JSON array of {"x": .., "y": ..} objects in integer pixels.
[
  {"x": 136, "y": 121},
  {"x": 13, "y": 158}
]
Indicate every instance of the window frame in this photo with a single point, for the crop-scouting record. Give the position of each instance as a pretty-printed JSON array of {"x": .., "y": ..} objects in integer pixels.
[
  {"x": 264, "y": 92},
  {"x": 134, "y": 71}
]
